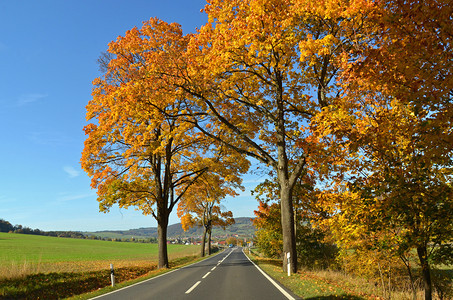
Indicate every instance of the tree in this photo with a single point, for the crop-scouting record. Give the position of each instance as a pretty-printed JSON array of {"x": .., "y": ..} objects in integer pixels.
[
  {"x": 5, "y": 226},
  {"x": 395, "y": 120},
  {"x": 140, "y": 153},
  {"x": 313, "y": 249},
  {"x": 269, "y": 232},
  {"x": 201, "y": 206},
  {"x": 252, "y": 72},
  {"x": 232, "y": 241}
]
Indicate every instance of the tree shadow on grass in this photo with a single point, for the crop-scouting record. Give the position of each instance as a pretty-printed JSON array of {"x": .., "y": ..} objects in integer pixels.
[
  {"x": 336, "y": 297},
  {"x": 63, "y": 285},
  {"x": 53, "y": 285}
]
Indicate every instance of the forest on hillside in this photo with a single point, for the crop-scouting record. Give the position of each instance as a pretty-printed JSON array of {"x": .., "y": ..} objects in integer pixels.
[{"x": 242, "y": 227}]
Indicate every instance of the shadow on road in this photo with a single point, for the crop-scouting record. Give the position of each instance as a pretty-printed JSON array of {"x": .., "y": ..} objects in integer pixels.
[
  {"x": 235, "y": 263},
  {"x": 200, "y": 265}
]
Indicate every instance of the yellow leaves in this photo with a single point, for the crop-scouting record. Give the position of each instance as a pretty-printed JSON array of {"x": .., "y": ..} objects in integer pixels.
[
  {"x": 333, "y": 9},
  {"x": 186, "y": 221},
  {"x": 251, "y": 29},
  {"x": 311, "y": 47}
]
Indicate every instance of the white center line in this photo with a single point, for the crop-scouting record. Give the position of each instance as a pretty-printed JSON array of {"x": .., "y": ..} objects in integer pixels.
[
  {"x": 206, "y": 275},
  {"x": 193, "y": 286}
]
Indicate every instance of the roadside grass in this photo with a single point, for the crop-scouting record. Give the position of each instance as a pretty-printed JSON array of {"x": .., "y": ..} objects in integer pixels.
[{"x": 315, "y": 285}]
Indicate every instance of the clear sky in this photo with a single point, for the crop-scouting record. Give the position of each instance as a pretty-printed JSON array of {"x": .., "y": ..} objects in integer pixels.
[{"x": 48, "y": 53}]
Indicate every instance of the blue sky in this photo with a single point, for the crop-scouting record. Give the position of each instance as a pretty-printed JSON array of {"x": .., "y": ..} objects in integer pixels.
[{"x": 48, "y": 53}]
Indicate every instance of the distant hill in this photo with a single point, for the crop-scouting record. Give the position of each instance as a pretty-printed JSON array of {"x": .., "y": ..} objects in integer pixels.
[{"x": 242, "y": 227}]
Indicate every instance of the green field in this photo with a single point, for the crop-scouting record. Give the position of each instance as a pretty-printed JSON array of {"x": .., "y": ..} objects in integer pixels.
[
  {"x": 22, "y": 254},
  {"x": 42, "y": 267}
]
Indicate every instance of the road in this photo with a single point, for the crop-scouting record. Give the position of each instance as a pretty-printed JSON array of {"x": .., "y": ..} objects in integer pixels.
[{"x": 228, "y": 275}]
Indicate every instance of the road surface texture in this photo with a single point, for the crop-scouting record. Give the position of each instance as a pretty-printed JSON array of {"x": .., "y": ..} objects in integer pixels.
[{"x": 228, "y": 275}]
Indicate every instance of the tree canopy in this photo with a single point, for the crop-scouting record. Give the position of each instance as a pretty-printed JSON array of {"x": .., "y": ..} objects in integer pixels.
[{"x": 142, "y": 152}]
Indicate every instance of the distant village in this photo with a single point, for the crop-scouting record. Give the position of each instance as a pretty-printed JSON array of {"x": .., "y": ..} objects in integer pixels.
[{"x": 219, "y": 241}]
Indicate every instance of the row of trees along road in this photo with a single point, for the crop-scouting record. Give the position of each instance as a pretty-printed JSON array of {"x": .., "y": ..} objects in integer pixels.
[
  {"x": 354, "y": 92},
  {"x": 202, "y": 207}
]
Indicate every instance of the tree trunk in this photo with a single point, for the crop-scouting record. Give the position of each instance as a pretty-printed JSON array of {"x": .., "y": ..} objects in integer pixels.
[
  {"x": 209, "y": 241},
  {"x": 203, "y": 242},
  {"x": 426, "y": 272},
  {"x": 162, "y": 225},
  {"x": 286, "y": 187},
  {"x": 407, "y": 263},
  {"x": 289, "y": 236}
]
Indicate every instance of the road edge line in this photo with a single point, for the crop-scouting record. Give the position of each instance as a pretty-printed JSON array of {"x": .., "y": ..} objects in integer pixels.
[
  {"x": 149, "y": 279},
  {"x": 285, "y": 293}
]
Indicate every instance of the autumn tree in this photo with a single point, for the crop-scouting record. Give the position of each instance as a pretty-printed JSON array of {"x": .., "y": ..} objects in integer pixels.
[
  {"x": 138, "y": 151},
  {"x": 269, "y": 232},
  {"x": 201, "y": 206},
  {"x": 258, "y": 72},
  {"x": 395, "y": 120},
  {"x": 232, "y": 241}
]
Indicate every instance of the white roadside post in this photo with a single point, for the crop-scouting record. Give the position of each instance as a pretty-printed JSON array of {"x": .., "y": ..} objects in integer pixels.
[
  {"x": 289, "y": 263},
  {"x": 112, "y": 275}
]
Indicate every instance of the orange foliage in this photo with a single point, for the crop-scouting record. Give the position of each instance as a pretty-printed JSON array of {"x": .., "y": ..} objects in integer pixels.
[{"x": 141, "y": 151}]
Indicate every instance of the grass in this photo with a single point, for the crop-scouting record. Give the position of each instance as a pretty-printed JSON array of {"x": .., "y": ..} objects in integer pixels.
[{"x": 40, "y": 267}]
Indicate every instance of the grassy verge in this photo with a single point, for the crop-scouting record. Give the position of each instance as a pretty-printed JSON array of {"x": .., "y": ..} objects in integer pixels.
[{"x": 318, "y": 285}]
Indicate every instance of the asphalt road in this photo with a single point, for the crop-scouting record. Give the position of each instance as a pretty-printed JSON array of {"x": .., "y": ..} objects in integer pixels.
[{"x": 228, "y": 275}]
